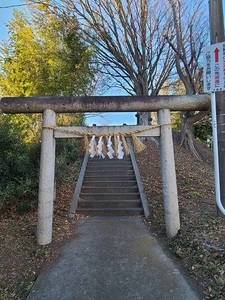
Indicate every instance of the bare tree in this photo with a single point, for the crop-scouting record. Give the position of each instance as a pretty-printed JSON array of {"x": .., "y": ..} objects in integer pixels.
[
  {"x": 136, "y": 42},
  {"x": 128, "y": 37},
  {"x": 189, "y": 36}
]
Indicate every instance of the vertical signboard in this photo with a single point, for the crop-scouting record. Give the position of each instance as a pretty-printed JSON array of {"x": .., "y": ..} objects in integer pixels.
[
  {"x": 214, "y": 81},
  {"x": 214, "y": 68}
]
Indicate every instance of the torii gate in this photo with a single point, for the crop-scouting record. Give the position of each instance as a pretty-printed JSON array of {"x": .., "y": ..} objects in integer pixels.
[{"x": 49, "y": 106}]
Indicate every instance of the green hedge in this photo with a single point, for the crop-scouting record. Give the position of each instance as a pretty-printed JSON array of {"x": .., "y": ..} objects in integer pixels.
[{"x": 19, "y": 165}]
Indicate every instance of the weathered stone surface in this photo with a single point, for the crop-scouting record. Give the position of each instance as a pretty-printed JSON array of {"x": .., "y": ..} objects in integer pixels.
[
  {"x": 170, "y": 197},
  {"x": 46, "y": 181},
  {"x": 12, "y": 105}
]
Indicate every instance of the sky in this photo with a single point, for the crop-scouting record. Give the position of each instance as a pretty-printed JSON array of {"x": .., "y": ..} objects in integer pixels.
[
  {"x": 6, "y": 10},
  {"x": 6, "y": 15}
]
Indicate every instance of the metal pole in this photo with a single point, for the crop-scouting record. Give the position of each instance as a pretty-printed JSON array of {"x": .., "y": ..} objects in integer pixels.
[
  {"x": 170, "y": 197},
  {"x": 216, "y": 157},
  {"x": 46, "y": 180},
  {"x": 216, "y": 21},
  {"x": 218, "y": 108}
]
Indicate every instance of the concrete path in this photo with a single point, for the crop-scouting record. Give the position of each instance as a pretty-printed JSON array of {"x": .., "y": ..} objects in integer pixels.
[{"x": 113, "y": 258}]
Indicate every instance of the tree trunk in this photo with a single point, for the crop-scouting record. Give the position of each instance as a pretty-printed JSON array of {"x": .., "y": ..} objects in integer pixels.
[
  {"x": 188, "y": 119},
  {"x": 143, "y": 118}
]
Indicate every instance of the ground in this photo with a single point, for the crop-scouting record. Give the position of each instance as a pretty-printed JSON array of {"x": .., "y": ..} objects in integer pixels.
[{"x": 199, "y": 247}]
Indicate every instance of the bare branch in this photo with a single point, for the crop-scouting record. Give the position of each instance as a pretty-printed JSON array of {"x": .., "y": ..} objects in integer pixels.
[{"x": 128, "y": 38}]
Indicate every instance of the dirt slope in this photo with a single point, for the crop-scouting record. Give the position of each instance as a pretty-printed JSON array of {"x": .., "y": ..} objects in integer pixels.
[{"x": 200, "y": 245}]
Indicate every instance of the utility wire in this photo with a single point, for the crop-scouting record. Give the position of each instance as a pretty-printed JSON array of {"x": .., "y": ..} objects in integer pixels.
[
  {"x": 18, "y": 5},
  {"x": 11, "y": 6}
]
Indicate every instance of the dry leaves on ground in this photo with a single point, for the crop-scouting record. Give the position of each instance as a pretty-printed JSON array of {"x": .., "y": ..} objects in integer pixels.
[
  {"x": 20, "y": 258},
  {"x": 200, "y": 245}
]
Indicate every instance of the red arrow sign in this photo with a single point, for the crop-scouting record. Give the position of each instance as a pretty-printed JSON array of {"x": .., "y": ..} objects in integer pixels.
[{"x": 216, "y": 51}]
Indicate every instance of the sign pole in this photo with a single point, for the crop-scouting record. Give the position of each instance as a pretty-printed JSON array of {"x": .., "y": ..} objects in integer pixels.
[
  {"x": 215, "y": 84},
  {"x": 216, "y": 156}
]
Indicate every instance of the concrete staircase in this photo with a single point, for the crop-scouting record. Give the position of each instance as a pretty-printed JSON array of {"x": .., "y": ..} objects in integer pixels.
[{"x": 109, "y": 188}]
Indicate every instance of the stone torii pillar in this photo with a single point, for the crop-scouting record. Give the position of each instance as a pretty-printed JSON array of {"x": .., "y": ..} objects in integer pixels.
[
  {"x": 46, "y": 180},
  {"x": 170, "y": 197}
]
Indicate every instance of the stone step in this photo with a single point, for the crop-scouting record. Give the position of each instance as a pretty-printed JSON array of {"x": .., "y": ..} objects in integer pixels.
[
  {"x": 106, "y": 183},
  {"x": 114, "y": 190},
  {"x": 107, "y": 159},
  {"x": 110, "y": 212},
  {"x": 109, "y": 166},
  {"x": 109, "y": 204},
  {"x": 103, "y": 177},
  {"x": 110, "y": 161},
  {"x": 109, "y": 196},
  {"x": 108, "y": 172}
]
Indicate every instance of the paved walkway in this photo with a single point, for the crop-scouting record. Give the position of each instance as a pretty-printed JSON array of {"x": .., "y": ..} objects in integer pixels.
[{"x": 113, "y": 258}]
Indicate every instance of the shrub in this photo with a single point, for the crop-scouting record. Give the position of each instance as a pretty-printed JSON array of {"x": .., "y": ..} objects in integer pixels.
[
  {"x": 18, "y": 166},
  {"x": 66, "y": 153}
]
